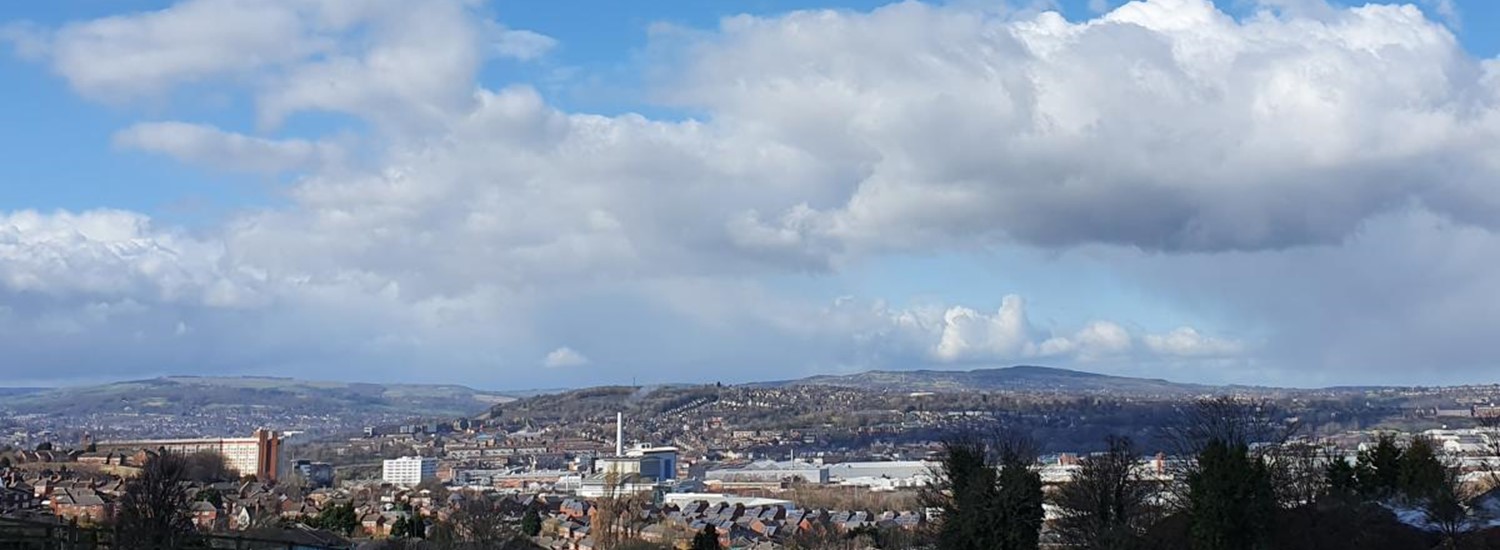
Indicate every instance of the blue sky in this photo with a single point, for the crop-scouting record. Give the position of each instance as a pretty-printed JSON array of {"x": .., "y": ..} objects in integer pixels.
[{"x": 452, "y": 210}]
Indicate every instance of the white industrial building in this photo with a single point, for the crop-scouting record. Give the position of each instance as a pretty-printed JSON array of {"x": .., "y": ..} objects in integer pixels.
[
  {"x": 771, "y": 471},
  {"x": 882, "y": 475}
]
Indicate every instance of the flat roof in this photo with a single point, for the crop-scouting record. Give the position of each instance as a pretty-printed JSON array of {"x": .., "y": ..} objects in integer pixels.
[{"x": 159, "y": 442}]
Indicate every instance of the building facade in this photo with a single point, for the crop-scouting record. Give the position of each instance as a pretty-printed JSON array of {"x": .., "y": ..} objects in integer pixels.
[
  {"x": 258, "y": 455},
  {"x": 317, "y": 474},
  {"x": 409, "y": 471}
]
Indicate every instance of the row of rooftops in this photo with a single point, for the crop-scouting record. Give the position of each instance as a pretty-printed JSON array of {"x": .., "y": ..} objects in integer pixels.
[{"x": 738, "y": 524}]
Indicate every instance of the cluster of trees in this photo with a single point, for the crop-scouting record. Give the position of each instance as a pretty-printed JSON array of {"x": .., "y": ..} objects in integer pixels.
[
  {"x": 1389, "y": 470},
  {"x": 1242, "y": 486},
  {"x": 335, "y": 518},
  {"x": 989, "y": 494}
]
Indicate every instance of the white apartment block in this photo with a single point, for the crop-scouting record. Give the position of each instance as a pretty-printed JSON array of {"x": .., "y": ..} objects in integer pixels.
[{"x": 409, "y": 471}]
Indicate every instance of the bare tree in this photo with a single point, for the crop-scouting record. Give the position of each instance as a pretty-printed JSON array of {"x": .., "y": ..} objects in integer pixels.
[
  {"x": 1299, "y": 470},
  {"x": 1226, "y": 420},
  {"x": 154, "y": 509},
  {"x": 1489, "y": 426},
  {"x": 1110, "y": 503},
  {"x": 1444, "y": 508},
  {"x": 477, "y": 520},
  {"x": 617, "y": 517}
]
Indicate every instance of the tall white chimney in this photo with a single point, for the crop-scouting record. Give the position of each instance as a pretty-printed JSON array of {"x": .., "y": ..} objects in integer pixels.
[{"x": 619, "y": 434}]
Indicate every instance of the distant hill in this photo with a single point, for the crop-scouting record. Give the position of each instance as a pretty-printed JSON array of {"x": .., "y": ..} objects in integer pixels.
[
  {"x": 197, "y": 395},
  {"x": 1019, "y": 378},
  {"x": 12, "y": 392},
  {"x": 574, "y": 405},
  {"x": 649, "y": 401}
]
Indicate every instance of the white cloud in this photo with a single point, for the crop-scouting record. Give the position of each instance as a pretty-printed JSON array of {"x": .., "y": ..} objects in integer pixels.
[
  {"x": 1164, "y": 125},
  {"x": 968, "y": 336},
  {"x": 417, "y": 68},
  {"x": 1097, "y": 340},
  {"x": 132, "y": 56},
  {"x": 1187, "y": 342},
  {"x": 113, "y": 255},
  {"x": 564, "y": 357},
  {"x": 214, "y": 148},
  {"x": 387, "y": 61},
  {"x": 520, "y": 44}
]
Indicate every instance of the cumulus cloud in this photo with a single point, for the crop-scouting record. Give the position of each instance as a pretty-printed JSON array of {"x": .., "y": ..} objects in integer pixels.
[
  {"x": 112, "y": 255},
  {"x": 1008, "y": 335},
  {"x": 968, "y": 333},
  {"x": 1162, "y": 125},
  {"x": 215, "y": 148},
  {"x": 1194, "y": 150},
  {"x": 564, "y": 357}
]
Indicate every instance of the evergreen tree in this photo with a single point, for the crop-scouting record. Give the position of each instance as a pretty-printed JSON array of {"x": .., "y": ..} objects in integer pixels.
[
  {"x": 339, "y": 518},
  {"x": 1231, "y": 502},
  {"x": 989, "y": 494},
  {"x": 707, "y": 539},
  {"x": 1422, "y": 474},
  {"x": 1020, "y": 496},
  {"x": 401, "y": 529},
  {"x": 1379, "y": 468},
  {"x": 966, "y": 494},
  {"x": 1342, "y": 478},
  {"x": 531, "y": 523}
]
